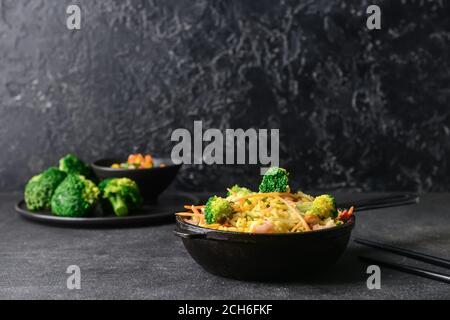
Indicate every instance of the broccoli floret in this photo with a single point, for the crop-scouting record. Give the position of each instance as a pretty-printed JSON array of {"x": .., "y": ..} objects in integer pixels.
[
  {"x": 274, "y": 180},
  {"x": 218, "y": 210},
  {"x": 323, "y": 206},
  {"x": 122, "y": 194},
  {"x": 238, "y": 191},
  {"x": 74, "y": 197},
  {"x": 39, "y": 190},
  {"x": 74, "y": 165}
]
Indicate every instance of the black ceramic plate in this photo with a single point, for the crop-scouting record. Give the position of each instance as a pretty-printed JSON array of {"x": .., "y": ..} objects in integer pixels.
[{"x": 161, "y": 212}]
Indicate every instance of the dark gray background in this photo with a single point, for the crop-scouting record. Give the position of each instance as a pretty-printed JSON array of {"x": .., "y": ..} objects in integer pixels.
[{"x": 356, "y": 108}]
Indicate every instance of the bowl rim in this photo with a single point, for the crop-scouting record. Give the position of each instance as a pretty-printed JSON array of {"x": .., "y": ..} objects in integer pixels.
[
  {"x": 95, "y": 165},
  {"x": 220, "y": 234}
]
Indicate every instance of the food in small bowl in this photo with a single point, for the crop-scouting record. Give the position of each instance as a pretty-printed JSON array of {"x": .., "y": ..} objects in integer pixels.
[
  {"x": 72, "y": 191},
  {"x": 137, "y": 161},
  {"x": 270, "y": 234},
  {"x": 151, "y": 181}
]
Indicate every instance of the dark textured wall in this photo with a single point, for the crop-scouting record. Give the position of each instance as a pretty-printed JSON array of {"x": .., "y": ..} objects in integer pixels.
[{"x": 356, "y": 108}]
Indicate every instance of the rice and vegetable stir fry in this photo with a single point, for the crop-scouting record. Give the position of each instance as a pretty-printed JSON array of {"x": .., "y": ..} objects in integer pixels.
[{"x": 274, "y": 209}]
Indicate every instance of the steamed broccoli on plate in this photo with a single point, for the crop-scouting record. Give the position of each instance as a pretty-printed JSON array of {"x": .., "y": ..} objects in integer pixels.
[
  {"x": 74, "y": 165},
  {"x": 122, "y": 193},
  {"x": 39, "y": 190},
  {"x": 275, "y": 180},
  {"x": 76, "y": 196},
  {"x": 70, "y": 192}
]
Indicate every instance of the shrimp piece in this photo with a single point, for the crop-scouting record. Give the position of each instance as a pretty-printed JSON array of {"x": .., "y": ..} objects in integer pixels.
[
  {"x": 328, "y": 224},
  {"x": 312, "y": 219},
  {"x": 265, "y": 227}
]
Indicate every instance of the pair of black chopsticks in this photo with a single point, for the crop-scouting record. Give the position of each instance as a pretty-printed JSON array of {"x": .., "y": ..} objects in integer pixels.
[{"x": 445, "y": 263}]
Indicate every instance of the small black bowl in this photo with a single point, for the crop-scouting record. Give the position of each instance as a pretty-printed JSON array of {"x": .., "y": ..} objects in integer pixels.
[
  {"x": 152, "y": 182},
  {"x": 250, "y": 256}
]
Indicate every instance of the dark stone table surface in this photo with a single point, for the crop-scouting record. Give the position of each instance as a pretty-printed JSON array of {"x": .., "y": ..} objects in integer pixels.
[{"x": 151, "y": 263}]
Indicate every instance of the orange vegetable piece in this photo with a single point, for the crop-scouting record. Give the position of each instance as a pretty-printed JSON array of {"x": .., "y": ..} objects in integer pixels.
[{"x": 139, "y": 159}]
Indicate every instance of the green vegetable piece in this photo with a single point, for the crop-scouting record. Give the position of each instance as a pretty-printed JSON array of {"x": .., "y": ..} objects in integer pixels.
[
  {"x": 72, "y": 164},
  {"x": 39, "y": 190},
  {"x": 218, "y": 210},
  {"x": 76, "y": 196},
  {"x": 274, "y": 180},
  {"x": 304, "y": 206},
  {"x": 239, "y": 191},
  {"x": 323, "y": 206},
  {"x": 122, "y": 193}
]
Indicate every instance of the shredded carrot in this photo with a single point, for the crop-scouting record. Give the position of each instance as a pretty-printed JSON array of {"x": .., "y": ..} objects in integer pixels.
[
  {"x": 189, "y": 206},
  {"x": 194, "y": 209},
  {"x": 350, "y": 211},
  {"x": 185, "y": 214}
]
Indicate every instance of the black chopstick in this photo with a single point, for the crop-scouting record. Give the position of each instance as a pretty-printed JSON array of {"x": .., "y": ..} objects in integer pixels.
[
  {"x": 409, "y": 269},
  {"x": 382, "y": 202},
  {"x": 441, "y": 262},
  {"x": 373, "y": 206}
]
